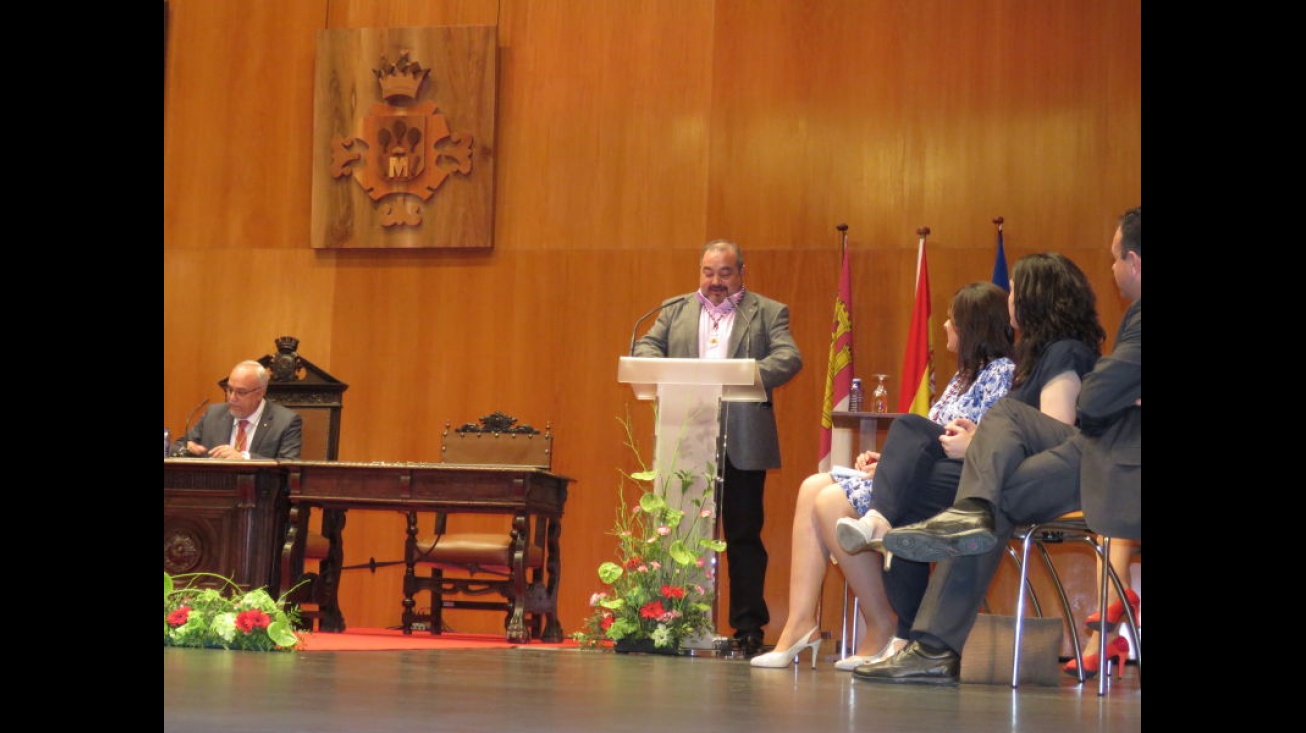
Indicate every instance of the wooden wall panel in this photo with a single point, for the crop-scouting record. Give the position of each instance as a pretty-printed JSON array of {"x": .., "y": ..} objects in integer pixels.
[
  {"x": 221, "y": 306},
  {"x": 628, "y": 135},
  {"x": 607, "y": 99},
  {"x": 236, "y": 156}
]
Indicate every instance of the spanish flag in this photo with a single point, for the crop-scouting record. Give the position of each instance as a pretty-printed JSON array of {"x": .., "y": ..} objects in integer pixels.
[
  {"x": 918, "y": 363},
  {"x": 839, "y": 372}
]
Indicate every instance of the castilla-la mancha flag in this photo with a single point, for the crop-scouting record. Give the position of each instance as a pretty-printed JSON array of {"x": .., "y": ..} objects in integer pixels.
[
  {"x": 918, "y": 363},
  {"x": 839, "y": 375}
]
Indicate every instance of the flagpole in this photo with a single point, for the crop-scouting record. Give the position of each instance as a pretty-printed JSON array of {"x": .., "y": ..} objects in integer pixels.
[
  {"x": 918, "y": 360},
  {"x": 839, "y": 367}
]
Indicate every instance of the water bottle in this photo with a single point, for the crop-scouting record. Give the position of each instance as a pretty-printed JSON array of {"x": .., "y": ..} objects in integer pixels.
[
  {"x": 855, "y": 396},
  {"x": 167, "y": 442}
]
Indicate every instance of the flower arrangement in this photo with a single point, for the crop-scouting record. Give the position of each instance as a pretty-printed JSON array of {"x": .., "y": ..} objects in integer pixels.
[
  {"x": 205, "y": 617},
  {"x": 661, "y": 587}
]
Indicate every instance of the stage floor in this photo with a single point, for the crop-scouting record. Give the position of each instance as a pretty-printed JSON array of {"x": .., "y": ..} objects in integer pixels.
[{"x": 568, "y": 689}]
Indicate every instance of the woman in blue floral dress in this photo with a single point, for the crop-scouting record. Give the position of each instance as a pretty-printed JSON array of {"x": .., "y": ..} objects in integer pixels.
[{"x": 979, "y": 331}]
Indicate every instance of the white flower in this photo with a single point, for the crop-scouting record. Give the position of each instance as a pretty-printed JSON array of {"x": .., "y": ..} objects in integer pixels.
[{"x": 224, "y": 625}]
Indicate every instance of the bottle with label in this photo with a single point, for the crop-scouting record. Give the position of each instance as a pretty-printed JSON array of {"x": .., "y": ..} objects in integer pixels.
[
  {"x": 167, "y": 442},
  {"x": 855, "y": 396}
]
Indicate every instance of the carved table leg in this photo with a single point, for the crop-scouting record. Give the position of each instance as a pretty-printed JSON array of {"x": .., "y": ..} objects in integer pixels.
[
  {"x": 333, "y": 525},
  {"x": 410, "y": 574},
  {"x": 517, "y": 631},
  {"x": 553, "y": 564}
]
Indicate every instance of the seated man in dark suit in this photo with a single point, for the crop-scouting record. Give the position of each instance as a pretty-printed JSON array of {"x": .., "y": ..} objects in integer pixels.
[
  {"x": 1023, "y": 467},
  {"x": 247, "y": 425}
]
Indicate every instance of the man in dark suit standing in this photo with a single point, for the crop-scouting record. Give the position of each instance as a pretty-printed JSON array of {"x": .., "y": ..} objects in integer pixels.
[
  {"x": 247, "y": 425},
  {"x": 703, "y": 325},
  {"x": 1023, "y": 467}
]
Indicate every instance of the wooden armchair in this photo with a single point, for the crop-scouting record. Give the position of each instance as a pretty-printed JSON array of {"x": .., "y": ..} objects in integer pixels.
[{"x": 465, "y": 567}]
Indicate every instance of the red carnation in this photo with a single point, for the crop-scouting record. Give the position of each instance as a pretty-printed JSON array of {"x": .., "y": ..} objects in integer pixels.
[
  {"x": 179, "y": 617},
  {"x": 653, "y": 610},
  {"x": 252, "y": 619},
  {"x": 672, "y": 591}
]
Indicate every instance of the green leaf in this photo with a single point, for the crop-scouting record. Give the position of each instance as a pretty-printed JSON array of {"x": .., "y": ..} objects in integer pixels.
[
  {"x": 714, "y": 545},
  {"x": 652, "y": 503},
  {"x": 609, "y": 572},
  {"x": 644, "y": 475},
  {"x": 281, "y": 633},
  {"x": 681, "y": 554}
]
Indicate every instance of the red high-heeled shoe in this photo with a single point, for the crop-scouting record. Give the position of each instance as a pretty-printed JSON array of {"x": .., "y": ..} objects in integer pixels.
[
  {"x": 1114, "y": 612},
  {"x": 1117, "y": 650}
]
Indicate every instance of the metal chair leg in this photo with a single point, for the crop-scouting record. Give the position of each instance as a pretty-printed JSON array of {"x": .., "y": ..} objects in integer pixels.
[
  {"x": 1020, "y": 607},
  {"x": 1104, "y": 665}
]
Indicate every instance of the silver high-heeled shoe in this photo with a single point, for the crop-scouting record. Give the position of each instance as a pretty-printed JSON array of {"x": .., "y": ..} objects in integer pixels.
[{"x": 781, "y": 659}]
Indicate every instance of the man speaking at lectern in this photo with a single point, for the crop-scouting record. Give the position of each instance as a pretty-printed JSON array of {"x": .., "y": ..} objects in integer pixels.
[{"x": 721, "y": 320}]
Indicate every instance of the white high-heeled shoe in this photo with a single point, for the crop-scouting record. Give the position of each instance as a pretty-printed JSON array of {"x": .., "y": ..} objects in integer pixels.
[
  {"x": 894, "y": 646},
  {"x": 864, "y": 533},
  {"x": 781, "y": 659},
  {"x": 855, "y": 535}
]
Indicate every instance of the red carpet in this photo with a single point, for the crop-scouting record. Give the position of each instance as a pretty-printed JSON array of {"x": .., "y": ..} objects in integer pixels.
[{"x": 371, "y": 640}]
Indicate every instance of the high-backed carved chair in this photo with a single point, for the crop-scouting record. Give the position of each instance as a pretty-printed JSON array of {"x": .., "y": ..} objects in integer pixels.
[
  {"x": 318, "y": 397},
  {"x": 466, "y": 567}
]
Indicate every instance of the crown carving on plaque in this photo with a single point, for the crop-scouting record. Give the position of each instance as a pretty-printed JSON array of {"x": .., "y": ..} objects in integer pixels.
[{"x": 400, "y": 79}]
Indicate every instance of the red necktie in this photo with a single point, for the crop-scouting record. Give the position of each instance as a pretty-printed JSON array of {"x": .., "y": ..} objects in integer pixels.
[{"x": 240, "y": 435}]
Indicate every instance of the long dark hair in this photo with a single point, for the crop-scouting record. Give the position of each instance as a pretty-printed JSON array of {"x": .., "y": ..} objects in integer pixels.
[
  {"x": 1053, "y": 302},
  {"x": 979, "y": 316}
]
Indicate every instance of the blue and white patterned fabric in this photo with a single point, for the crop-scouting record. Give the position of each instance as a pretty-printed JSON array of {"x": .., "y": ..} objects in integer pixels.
[{"x": 993, "y": 382}]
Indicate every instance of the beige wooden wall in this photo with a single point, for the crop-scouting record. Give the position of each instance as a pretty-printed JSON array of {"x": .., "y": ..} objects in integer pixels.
[{"x": 630, "y": 133}]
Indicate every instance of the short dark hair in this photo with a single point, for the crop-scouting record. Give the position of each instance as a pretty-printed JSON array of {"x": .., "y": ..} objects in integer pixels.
[
  {"x": 725, "y": 245},
  {"x": 1131, "y": 231}
]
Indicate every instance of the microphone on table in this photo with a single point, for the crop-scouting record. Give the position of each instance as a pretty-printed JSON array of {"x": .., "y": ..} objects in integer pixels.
[
  {"x": 189, "y": 418},
  {"x": 641, "y": 319}
]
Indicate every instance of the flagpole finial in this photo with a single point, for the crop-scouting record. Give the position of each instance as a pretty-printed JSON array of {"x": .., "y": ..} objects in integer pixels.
[
  {"x": 998, "y": 220},
  {"x": 923, "y": 231},
  {"x": 841, "y": 227}
]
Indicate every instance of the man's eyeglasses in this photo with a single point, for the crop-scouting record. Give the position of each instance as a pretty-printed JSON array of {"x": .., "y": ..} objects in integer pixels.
[{"x": 241, "y": 392}]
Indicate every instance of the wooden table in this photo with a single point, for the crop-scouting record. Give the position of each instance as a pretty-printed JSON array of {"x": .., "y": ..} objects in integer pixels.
[
  {"x": 336, "y": 487},
  {"x": 867, "y": 426},
  {"x": 224, "y": 517}
]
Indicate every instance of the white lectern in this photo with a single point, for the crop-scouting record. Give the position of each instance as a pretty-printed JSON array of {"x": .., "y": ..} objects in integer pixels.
[{"x": 691, "y": 394}]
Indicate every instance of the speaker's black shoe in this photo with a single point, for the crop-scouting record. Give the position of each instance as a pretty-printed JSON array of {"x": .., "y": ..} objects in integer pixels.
[
  {"x": 914, "y": 665},
  {"x": 952, "y": 533},
  {"x": 749, "y": 644}
]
